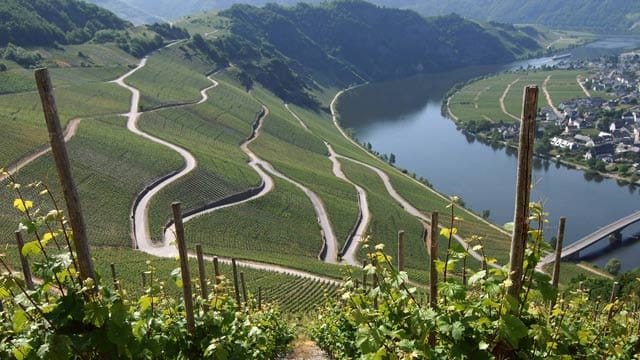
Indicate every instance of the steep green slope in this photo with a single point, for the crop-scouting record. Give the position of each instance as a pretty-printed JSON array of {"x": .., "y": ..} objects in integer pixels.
[
  {"x": 294, "y": 51},
  {"x": 40, "y": 22}
]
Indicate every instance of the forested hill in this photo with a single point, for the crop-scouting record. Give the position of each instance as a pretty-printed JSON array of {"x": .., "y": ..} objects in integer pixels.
[
  {"x": 595, "y": 15},
  {"x": 353, "y": 40},
  {"x": 43, "y": 22}
]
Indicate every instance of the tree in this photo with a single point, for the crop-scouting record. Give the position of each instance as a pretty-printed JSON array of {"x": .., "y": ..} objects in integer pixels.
[
  {"x": 392, "y": 158},
  {"x": 486, "y": 213},
  {"x": 3, "y": 67},
  {"x": 613, "y": 266}
]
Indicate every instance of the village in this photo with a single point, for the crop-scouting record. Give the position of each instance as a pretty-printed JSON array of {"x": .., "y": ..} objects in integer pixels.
[{"x": 601, "y": 132}]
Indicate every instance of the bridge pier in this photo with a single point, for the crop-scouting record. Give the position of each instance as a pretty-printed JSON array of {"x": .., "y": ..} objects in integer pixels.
[
  {"x": 615, "y": 239},
  {"x": 573, "y": 257}
]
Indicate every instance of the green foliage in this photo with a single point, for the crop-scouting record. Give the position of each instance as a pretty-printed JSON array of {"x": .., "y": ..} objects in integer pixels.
[
  {"x": 68, "y": 317},
  {"x": 45, "y": 22},
  {"x": 21, "y": 56},
  {"x": 613, "y": 266},
  {"x": 474, "y": 316}
]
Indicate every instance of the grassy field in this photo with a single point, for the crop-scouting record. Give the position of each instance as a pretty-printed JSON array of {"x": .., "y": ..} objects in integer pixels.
[
  {"x": 108, "y": 173},
  {"x": 172, "y": 75},
  {"x": 481, "y": 99},
  {"x": 212, "y": 132},
  {"x": 79, "y": 94}
]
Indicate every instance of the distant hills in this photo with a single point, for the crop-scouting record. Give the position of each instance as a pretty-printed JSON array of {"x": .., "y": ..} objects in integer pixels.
[
  {"x": 593, "y": 15},
  {"x": 348, "y": 41},
  {"x": 600, "y": 16},
  {"x": 43, "y": 22}
]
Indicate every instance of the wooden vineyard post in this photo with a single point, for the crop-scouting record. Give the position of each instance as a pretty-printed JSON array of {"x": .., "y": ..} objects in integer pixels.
[
  {"x": 244, "y": 289},
  {"x": 202, "y": 273},
  {"x": 236, "y": 285},
  {"x": 556, "y": 265},
  {"x": 523, "y": 184},
  {"x": 116, "y": 285},
  {"x": 432, "y": 247},
  {"x": 614, "y": 291},
  {"x": 184, "y": 267},
  {"x": 401, "y": 250},
  {"x": 364, "y": 275},
  {"x": 59, "y": 151},
  {"x": 260, "y": 298},
  {"x": 216, "y": 270},
  {"x": 26, "y": 269},
  {"x": 144, "y": 281}
]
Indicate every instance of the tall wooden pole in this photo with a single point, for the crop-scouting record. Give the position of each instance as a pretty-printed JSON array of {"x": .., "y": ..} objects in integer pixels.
[
  {"x": 432, "y": 246},
  {"x": 59, "y": 151},
  {"x": 236, "y": 284},
  {"x": 401, "y": 250},
  {"x": 556, "y": 265},
  {"x": 523, "y": 184},
  {"x": 202, "y": 272},
  {"x": 184, "y": 267}
]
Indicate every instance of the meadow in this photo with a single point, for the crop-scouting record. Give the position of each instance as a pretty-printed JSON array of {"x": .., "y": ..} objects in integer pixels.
[{"x": 480, "y": 100}]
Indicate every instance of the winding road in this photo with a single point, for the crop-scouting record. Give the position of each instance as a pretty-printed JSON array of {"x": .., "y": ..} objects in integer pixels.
[
  {"x": 165, "y": 248},
  {"x": 548, "y": 97},
  {"x": 581, "y": 84},
  {"x": 351, "y": 249},
  {"x": 504, "y": 95},
  {"x": 69, "y": 132}
]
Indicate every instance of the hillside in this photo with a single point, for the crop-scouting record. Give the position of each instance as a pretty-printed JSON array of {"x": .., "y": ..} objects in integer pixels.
[
  {"x": 342, "y": 42},
  {"x": 39, "y": 22},
  {"x": 593, "y": 15},
  {"x": 602, "y": 16}
]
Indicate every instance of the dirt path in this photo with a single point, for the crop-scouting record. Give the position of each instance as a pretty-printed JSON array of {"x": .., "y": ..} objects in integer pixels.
[
  {"x": 306, "y": 350},
  {"x": 451, "y": 114},
  {"x": 140, "y": 212},
  {"x": 69, "y": 132},
  {"x": 297, "y": 118},
  {"x": 504, "y": 95},
  {"x": 584, "y": 89},
  {"x": 349, "y": 253},
  {"x": 548, "y": 97}
]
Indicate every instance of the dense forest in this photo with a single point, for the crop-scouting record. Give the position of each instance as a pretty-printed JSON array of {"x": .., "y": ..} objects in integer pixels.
[
  {"x": 44, "y": 22},
  {"x": 601, "y": 16},
  {"x": 594, "y": 15},
  {"x": 341, "y": 42}
]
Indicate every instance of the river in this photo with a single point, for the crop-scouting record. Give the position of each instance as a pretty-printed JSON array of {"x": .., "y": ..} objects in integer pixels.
[{"x": 404, "y": 117}]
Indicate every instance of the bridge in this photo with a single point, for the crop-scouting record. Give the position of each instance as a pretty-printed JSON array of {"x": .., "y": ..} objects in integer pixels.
[{"x": 573, "y": 251}]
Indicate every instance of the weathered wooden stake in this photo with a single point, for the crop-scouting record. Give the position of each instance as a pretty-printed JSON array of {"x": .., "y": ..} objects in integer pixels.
[
  {"x": 364, "y": 275},
  {"x": 432, "y": 247},
  {"x": 556, "y": 265},
  {"x": 244, "y": 289},
  {"x": 401, "y": 250},
  {"x": 144, "y": 280},
  {"x": 202, "y": 273},
  {"x": 184, "y": 267},
  {"x": 523, "y": 184},
  {"x": 236, "y": 284},
  {"x": 116, "y": 285},
  {"x": 259, "y": 297},
  {"x": 59, "y": 151},
  {"x": 216, "y": 269},
  {"x": 374, "y": 282},
  {"x": 614, "y": 291},
  {"x": 26, "y": 269}
]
